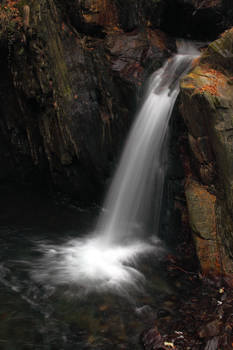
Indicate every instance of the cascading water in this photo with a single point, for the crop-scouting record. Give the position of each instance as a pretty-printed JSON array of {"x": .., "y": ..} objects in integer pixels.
[
  {"x": 106, "y": 259},
  {"x": 136, "y": 191}
]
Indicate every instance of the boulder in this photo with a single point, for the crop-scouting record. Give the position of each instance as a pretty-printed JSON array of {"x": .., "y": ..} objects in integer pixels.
[{"x": 207, "y": 108}]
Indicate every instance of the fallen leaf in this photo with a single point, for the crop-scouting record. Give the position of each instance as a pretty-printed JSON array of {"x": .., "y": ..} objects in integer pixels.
[
  {"x": 171, "y": 345},
  {"x": 103, "y": 307}
]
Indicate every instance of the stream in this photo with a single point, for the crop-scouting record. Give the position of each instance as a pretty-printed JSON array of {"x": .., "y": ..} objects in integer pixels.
[
  {"x": 73, "y": 278},
  {"x": 38, "y": 316}
]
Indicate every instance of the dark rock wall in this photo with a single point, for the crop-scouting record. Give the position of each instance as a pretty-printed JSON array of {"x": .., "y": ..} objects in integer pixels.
[
  {"x": 196, "y": 19},
  {"x": 71, "y": 77},
  {"x": 70, "y": 88}
]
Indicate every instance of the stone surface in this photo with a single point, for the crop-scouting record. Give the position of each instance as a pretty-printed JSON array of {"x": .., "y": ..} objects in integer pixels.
[
  {"x": 206, "y": 105},
  {"x": 68, "y": 97},
  {"x": 202, "y": 218},
  {"x": 71, "y": 79},
  {"x": 71, "y": 76}
]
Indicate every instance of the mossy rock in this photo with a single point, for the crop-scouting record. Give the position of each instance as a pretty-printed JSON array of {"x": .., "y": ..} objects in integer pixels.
[{"x": 207, "y": 108}]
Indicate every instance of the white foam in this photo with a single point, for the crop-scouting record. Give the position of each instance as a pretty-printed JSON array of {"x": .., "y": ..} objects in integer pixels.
[{"x": 91, "y": 264}]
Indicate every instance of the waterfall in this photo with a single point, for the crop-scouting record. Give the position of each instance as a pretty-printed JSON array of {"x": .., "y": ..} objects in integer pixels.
[
  {"x": 136, "y": 191},
  {"x": 107, "y": 258}
]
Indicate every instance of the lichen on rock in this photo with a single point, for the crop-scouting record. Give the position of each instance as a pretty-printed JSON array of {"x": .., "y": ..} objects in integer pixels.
[{"x": 207, "y": 95}]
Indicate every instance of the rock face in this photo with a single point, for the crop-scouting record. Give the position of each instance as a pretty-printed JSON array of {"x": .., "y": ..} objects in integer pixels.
[
  {"x": 200, "y": 19},
  {"x": 207, "y": 107},
  {"x": 67, "y": 97},
  {"x": 71, "y": 73}
]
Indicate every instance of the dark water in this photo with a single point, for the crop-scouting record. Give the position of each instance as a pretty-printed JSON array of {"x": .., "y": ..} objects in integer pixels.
[{"x": 36, "y": 316}]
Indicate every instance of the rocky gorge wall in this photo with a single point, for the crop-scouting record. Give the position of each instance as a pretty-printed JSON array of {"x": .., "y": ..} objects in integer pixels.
[
  {"x": 71, "y": 77},
  {"x": 207, "y": 107},
  {"x": 67, "y": 97}
]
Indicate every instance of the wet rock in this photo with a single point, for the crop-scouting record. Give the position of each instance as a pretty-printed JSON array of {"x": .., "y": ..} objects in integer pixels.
[
  {"x": 201, "y": 205},
  {"x": 68, "y": 98},
  {"x": 146, "y": 312},
  {"x": 197, "y": 18},
  {"x": 207, "y": 109},
  {"x": 204, "y": 159},
  {"x": 210, "y": 330},
  {"x": 71, "y": 82},
  {"x": 202, "y": 216},
  {"x": 133, "y": 54},
  {"x": 163, "y": 313},
  {"x": 92, "y": 17},
  {"x": 152, "y": 339},
  {"x": 181, "y": 18}
]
